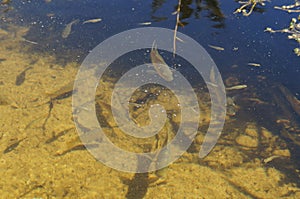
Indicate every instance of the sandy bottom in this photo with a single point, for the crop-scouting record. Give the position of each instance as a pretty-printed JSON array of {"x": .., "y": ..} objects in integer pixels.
[{"x": 41, "y": 155}]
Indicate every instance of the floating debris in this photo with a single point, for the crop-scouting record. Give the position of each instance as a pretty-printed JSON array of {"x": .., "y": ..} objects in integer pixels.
[
  {"x": 216, "y": 47},
  {"x": 254, "y": 64},
  {"x": 21, "y": 77},
  {"x": 67, "y": 30},
  {"x": 92, "y": 21},
  {"x": 160, "y": 65},
  {"x": 145, "y": 23},
  {"x": 237, "y": 87}
]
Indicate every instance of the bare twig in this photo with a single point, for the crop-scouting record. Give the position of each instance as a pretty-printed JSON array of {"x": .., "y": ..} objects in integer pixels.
[{"x": 176, "y": 27}]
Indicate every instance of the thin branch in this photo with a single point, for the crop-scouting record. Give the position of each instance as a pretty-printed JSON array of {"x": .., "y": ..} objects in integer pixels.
[
  {"x": 176, "y": 27},
  {"x": 251, "y": 10}
]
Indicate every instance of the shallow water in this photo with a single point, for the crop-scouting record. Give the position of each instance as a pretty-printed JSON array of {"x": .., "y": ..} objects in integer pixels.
[{"x": 43, "y": 155}]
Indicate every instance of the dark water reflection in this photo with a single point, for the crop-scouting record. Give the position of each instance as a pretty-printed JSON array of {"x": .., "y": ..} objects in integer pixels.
[
  {"x": 208, "y": 22},
  {"x": 191, "y": 10}
]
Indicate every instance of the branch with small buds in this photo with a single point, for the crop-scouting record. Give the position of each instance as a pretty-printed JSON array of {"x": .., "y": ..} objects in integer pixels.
[
  {"x": 249, "y": 3},
  {"x": 293, "y": 30},
  {"x": 290, "y": 8}
]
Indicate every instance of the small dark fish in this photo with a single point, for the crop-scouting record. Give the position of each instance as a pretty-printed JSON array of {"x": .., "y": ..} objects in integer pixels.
[
  {"x": 12, "y": 146},
  {"x": 78, "y": 148},
  {"x": 48, "y": 116},
  {"x": 216, "y": 47},
  {"x": 21, "y": 77},
  {"x": 2, "y": 59},
  {"x": 64, "y": 92},
  {"x": 67, "y": 30},
  {"x": 232, "y": 108},
  {"x": 81, "y": 127},
  {"x": 55, "y": 137},
  {"x": 63, "y": 95},
  {"x": 294, "y": 102},
  {"x": 92, "y": 21},
  {"x": 237, "y": 87},
  {"x": 160, "y": 65}
]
